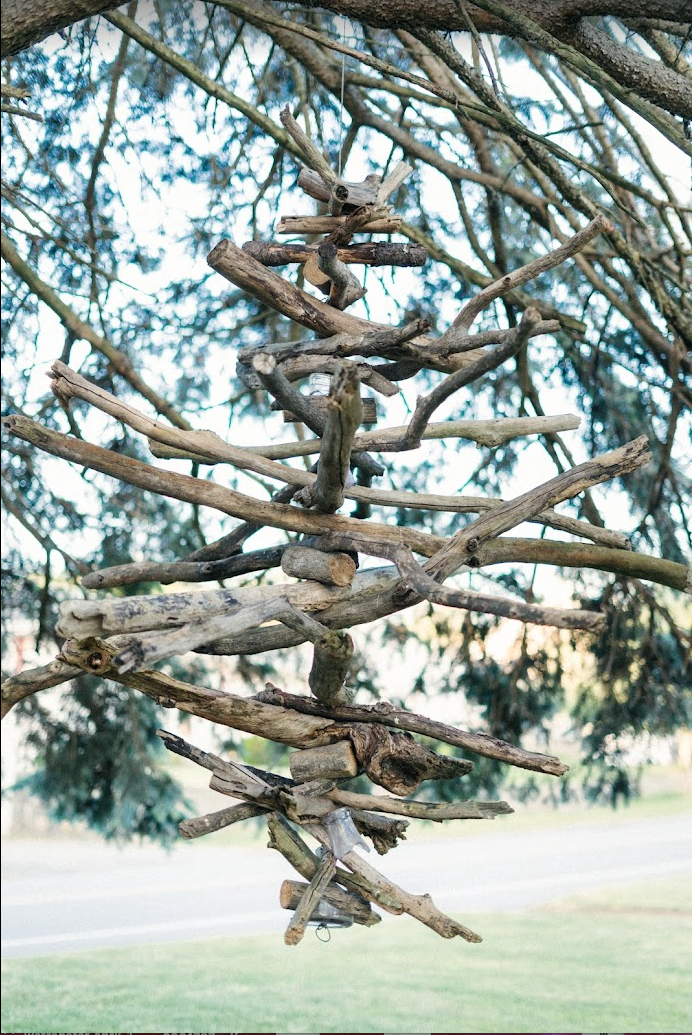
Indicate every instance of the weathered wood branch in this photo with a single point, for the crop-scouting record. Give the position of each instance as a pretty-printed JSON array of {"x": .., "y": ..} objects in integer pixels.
[
  {"x": 310, "y": 225},
  {"x": 387, "y": 714},
  {"x": 526, "y": 273},
  {"x": 421, "y": 907},
  {"x": 371, "y": 253},
  {"x": 311, "y": 897},
  {"x": 332, "y": 657},
  {"x": 213, "y": 821},
  {"x": 168, "y": 572},
  {"x": 330, "y": 569},
  {"x": 435, "y": 811},
  {"x": 291, "y": 399},
  {"x": 143, "y": 650},
  {"x": 566, "y": 485},
  {"x": 345, "y": 288},
  {"x": 425, "y": 587},
  {"x": 112, "y": 615},
  {"x": 343, "y": 416}
]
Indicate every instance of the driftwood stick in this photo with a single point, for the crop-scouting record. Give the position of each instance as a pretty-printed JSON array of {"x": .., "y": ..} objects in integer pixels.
[
  {"x": 291, "y": 399},
  {"x": 147, "y": 649},
  {"x": 95, "y": 655},
  {"x": 312, "y": 155},
  {"x": 489, "y": 433},
  {"x": 343, "y": 417},
  {"x": 111, "y": 615},
  {"x": 332, "y": 657},
  {"x": 428, "y": 588},
  {"x": 436, "y": 811},
  {"x": 331, "y": 762},
  {"x": 386, "y": 714},
  {"x": 426, "y": 405},
  {"x": 326, "y": 224},
  {"x": 330, "y": 569},
  {"x": 292, "y": 891},
  {"x": 30, "y": 681},
  {"x": 299, "y": 921},
  {"x": 421, "y": 907},
  {"x": 345, "y": 287},
  {"x": 288, "y": 842},
  {"x": 185, "y": 571},
  {"x": 273, "y": 253},
  {"x": 195, "y": 490},
  {"x": 213, "y": 821},
  {"x": 525, "y": 273},
  {"x": 610, "y": 465}
]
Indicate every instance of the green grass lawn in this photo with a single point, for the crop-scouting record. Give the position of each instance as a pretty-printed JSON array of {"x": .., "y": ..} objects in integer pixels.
[{"x": 617, "y": 960}]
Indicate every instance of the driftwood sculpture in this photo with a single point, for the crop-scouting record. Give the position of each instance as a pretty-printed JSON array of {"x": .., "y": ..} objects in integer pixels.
[{"x": 333, "y": 738}]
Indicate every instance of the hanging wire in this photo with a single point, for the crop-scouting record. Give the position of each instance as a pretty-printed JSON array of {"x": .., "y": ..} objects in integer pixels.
[{"x": 325, "y": 929}]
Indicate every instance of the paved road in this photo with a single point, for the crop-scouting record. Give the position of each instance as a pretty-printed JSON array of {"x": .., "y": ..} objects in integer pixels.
[{"x": 61, "y": 896}]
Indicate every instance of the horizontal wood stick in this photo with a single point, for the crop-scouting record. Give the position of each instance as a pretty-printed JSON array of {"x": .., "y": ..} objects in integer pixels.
[
  {"x": 425, "y": 587},
  {"x": 149, "y": 648},
  {"x": 291, "y": 892},
  {"x": 387, "y": 714},
  {"x": 167, "y": 572},
  {"x": 95, "y": 656},
  {"x": 436, "y": 811},
  {"x": 326, "y": 224},
  {"x": 213, "y": 821},
  {"x": 80, "y": 618},
  {"x": 272, "y": 253}
]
